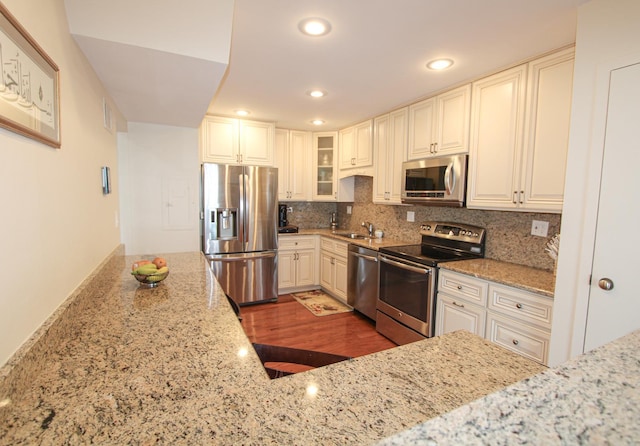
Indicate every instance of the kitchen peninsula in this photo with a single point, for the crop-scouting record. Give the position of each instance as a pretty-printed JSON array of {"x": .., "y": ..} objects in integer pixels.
[{"x": 121, "y": 364}]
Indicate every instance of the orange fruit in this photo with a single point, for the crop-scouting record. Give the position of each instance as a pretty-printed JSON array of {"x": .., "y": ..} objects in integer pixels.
[
  {"x": 139, "y": 263},
  {"x": 159, "y": 262}
]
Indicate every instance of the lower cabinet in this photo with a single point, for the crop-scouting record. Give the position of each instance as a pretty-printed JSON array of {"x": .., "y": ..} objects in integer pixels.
[
  {"x": 297, "y": 265},
  {"x": 515, "y": 319},
  {"x": 333, "y": 267}
]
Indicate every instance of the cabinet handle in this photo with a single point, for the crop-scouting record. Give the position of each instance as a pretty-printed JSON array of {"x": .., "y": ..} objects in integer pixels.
[
  {"x": 459, "y": 287},
  {"x": 435, "y": 147},
  {"x": 521, "y": 197},
  {"x": 457, "y": 304},
  {"x": 518, "y": 306},
  {"x": 515, "y": 197},
  {"x": 515, "y": 342},
  {"x": 333, "y": 261}
]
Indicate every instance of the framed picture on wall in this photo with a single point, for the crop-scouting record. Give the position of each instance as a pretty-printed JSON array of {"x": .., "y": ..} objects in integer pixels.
[{"x": 29, "y": 84}]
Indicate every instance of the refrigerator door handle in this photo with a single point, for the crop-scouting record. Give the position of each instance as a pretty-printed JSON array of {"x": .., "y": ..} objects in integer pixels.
[
  {"x": 242, "y": 256},
  {"x": 244, "y": 235}
]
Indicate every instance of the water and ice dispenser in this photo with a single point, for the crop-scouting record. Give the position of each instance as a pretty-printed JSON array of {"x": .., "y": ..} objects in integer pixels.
[{"x": 223, "y": 224}]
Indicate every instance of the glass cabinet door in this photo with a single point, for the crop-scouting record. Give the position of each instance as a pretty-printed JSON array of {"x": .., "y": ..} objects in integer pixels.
[{"x": 324, "y": 166}]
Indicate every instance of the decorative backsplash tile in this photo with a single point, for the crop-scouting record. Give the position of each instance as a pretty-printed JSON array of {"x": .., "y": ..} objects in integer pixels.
[{"x": 508, "y": 233}]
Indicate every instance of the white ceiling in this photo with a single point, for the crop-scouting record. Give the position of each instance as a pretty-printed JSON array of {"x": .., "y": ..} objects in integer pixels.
[{"x": 372, "y": 61}]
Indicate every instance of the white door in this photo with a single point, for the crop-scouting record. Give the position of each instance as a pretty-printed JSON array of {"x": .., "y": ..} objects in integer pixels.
[{"x": 615, "y": 312}]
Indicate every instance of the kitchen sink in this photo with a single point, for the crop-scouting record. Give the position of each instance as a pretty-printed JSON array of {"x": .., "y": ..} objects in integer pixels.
[{"x": 352, "y": 235}]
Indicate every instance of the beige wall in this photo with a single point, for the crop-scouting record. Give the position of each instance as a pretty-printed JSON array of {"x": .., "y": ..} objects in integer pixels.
[
  {"x": 56, "y": 225},
  {"x": 160, "y": 177},
  {"x": 608, "y": 32}
]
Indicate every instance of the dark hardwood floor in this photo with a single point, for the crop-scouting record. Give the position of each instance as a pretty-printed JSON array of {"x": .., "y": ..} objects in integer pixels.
[{"x": 288, "y": 323}]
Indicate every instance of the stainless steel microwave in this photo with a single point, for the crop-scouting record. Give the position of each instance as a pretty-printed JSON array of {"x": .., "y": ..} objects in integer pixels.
[{"x": 438, "y": 181}]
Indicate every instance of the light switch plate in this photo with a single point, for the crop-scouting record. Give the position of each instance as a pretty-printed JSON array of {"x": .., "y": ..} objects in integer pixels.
[
  {"x": 411, "y": 216},
  {"x": 539, "y": 228},
  {"x": 348, "y": 209}
]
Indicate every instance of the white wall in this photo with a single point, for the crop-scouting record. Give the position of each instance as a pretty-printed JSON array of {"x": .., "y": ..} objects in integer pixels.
[
  {"x": 159, "y": 170},
  {"x": 56, "y": 225},
  {"x": 607, "y": 31}
]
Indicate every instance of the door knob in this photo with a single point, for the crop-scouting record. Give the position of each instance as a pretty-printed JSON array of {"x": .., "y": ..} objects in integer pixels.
[{"x": 605, "y": 283}]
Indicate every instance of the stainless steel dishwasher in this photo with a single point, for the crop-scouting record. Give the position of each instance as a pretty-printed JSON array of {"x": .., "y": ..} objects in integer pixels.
[{"x": 362, "y": 281}]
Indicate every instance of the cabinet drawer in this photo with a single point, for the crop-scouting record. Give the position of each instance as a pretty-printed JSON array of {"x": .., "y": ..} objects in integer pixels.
[
  {"x": 525, "y": 340},
  {"x": 522, "y": 305},
  {"x": 463, "y": 286},
  {"x": 336, "y": 247},
  {"x": 292, "y": 242}
]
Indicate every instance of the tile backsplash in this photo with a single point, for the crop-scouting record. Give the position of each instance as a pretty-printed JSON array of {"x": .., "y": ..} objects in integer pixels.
[{"x": 508, "y": 233}]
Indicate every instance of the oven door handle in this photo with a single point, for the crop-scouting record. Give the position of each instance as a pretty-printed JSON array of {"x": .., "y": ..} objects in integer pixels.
[{"x": 405, "y": 266}]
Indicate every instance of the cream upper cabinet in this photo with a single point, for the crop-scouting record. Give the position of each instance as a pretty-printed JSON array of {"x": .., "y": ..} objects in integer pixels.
[
  {"x": 356, "y": 149},
  {"x": 440, "y": 125},
  {"x": 546, "y": 132},
  {"x": 519, "y": 136},
  {"x": 389, "y": 149},
  {"x": 292, "y": 156},
  {"x": 236, "y": 141}
]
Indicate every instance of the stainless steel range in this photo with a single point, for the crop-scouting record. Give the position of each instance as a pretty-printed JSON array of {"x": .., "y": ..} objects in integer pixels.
[{"x": 408, "y": 278}]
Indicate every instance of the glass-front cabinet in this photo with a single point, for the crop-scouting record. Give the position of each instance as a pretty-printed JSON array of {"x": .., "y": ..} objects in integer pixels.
[{"x": 324, "y": 166}]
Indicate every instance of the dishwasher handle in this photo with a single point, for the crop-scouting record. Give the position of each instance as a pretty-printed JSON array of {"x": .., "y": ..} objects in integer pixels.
[{"x": 364, "y": 256}]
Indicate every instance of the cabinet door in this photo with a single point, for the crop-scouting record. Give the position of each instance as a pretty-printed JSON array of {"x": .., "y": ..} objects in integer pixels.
[
  {"x": 456, "y": 314},
  {"x": 305, "y": 268},
  {"x": 326, "y": 271},
  {"x": 421, "y": 129},
  {"x": 363, "y": 147},
  {"x": 347, "y": 147},
  {"x": 282, "y": 163},
  {"x": 497, "y": 117},
  {"x": 452, "y": 125},
  {"x": 340, "y": 275},
  {"x": 299, "y": 172},
  {"x": 381, "y": 152},
  {"x": 550, "y": 88},
  {"x": 256, "y": 143},
  {"x": 390, "y": 146},
  {"x": 286, "y": 269},
  {"x": 325, "y": 157},
  {"x": 219, "y": 140}
]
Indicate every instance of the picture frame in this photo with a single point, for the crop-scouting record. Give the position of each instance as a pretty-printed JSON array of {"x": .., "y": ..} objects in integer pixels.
[{"x": 29, "y": 85}]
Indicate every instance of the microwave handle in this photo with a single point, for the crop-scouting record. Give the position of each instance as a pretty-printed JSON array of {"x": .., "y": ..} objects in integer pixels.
[{"x": 449, "y": 179}]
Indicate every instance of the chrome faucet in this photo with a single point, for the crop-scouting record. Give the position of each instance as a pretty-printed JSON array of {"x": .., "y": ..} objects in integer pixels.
[{"x": 369, "y": 226}]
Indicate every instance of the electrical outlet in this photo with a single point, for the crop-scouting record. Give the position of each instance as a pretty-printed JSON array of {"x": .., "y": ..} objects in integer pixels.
[
  {"x": 411, "y": 216},
  {"x": 349, "y": 210},
  {"x": 539, "y": 228}
]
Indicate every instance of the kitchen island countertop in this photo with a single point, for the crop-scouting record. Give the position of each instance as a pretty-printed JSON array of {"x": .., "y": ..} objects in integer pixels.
[{"x": 120, "y": 364}]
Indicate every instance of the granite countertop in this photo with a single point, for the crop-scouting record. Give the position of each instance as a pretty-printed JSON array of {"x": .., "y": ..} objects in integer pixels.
[
  {"x": 120, "y": 364},
  {"x": 590, "y": 399},
  {"x": 371, "y": 243},
  {"x": 519, "y": 276}
]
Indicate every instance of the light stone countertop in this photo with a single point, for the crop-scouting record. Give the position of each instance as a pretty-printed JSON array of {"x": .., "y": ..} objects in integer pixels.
[
  {"x": 592, "y": 399},
  {"x": 519, "y": 276},
  {"x": 120, "y": 364},
  {"x": 371, "y": 243}
]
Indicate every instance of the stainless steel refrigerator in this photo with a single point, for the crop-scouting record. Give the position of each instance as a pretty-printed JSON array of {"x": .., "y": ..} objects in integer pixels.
[{"x": 240, "y": 229}]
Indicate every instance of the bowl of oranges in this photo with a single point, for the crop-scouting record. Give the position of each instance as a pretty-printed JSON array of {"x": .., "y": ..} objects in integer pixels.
[{"x": 150, "y": 272}]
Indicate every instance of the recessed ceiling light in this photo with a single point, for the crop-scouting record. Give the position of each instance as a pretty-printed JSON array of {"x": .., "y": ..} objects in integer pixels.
[
  {"x": 242, "y": 112},
  {"x": 317, "y": 122},
  {"x": 439, "y": 64},
  {"x": 317, "y": 93},
  {"x": 314, "y": 26}
]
